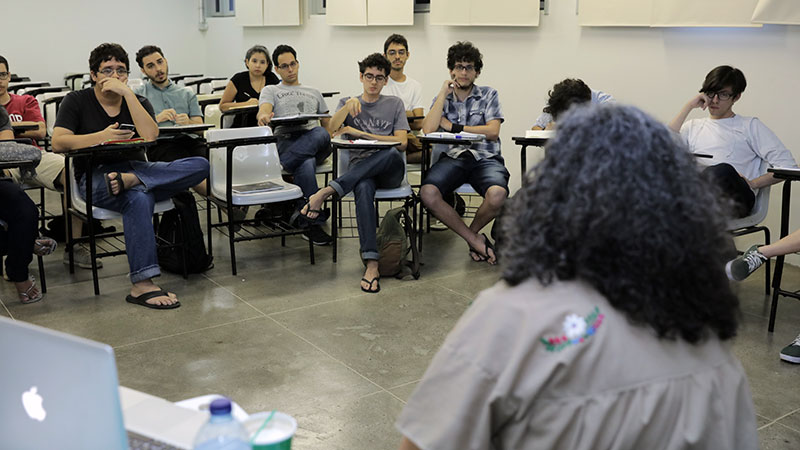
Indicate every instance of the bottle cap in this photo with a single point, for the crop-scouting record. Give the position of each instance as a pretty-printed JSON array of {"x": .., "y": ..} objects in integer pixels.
[{"x": 221, "y": 405}]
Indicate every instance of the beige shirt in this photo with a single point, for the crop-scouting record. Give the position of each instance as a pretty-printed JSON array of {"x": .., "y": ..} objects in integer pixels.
[{"x": 532, "y": 367}]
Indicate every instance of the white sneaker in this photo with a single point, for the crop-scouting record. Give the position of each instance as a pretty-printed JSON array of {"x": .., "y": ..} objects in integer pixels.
[{"x": 81, "y": 257}]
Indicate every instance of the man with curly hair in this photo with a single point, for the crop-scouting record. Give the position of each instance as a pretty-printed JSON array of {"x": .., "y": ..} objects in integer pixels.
[
  {"x": 461, "y": 105},
  {"x": 739, "y": 145},
  {"x": 562, "y": 96}
]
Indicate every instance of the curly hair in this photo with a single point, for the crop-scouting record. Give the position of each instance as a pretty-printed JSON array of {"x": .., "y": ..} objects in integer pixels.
[
  {"x": 375, "y": 60},
  {"x": 146, "y": 51},
  {"x": 258, "y": 49},
  {"x": 464, "y": 52},
  {"x": 106, "y": 52},
  {"x": 565, "y": 94},
  {"x": 724, "y": 76},
  {"x": 619, "y": 202}
]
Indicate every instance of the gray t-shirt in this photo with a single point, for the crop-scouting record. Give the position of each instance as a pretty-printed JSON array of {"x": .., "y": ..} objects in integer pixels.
[
  {"x": 381, "y": 117},
  {"x": 293, "y": 100},
  {"x": 5, "y": 122}
]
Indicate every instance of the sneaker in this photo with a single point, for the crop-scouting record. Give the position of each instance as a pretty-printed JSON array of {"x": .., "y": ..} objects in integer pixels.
[
  {"x": 740, "y": 268},
  {"x": 438, "y": 225},
  {"x": 791, "y": 353},
  {"x": 317, "y": 235},
  {"x": 81, "y": 257}
]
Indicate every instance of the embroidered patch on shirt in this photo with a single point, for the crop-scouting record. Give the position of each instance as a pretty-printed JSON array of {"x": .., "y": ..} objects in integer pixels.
[{"x": 576, "y": 330}]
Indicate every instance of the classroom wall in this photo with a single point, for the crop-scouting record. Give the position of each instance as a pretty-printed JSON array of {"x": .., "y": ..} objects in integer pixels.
[{"x": 657, "y": 69}]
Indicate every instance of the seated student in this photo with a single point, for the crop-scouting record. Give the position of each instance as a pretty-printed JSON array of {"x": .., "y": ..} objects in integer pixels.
[
  {"x": 461, "y": 105},
  {"x": 368, "y": 116},
  {"x": 303, "y": 146},
  {"x": 6, "y": 132},
  {"x": 128, "y": 185},
  {"x": 244, "y": 87},
  {"x": 50, "y": 171},
  {"x": 18, "y": 221},
  {"x": 395, "y": 49},
  {"x": 546, "y": 119},
  {"x": 740, "y": 268},
  {"x": 739, "y": 144},
  {"x": 174, "y": 105},
  {"x": 563, "y": 95},
  {"x": 587, "y": 342}
]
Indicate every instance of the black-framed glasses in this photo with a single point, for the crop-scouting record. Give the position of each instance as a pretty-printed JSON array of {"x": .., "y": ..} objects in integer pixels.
[
  {"x": 400, "y": 52},
  {"x": 285, "y": 66},
  {"x": 721, "y": 94},
  {"x": 5, "y": 75},
  {"x": 378, "y": 78},
  {"x": 108, "y": 71},
  {"x": 465, "y": 68}
]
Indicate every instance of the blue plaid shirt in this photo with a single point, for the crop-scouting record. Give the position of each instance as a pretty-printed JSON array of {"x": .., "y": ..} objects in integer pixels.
[{"x": 481, "y": 106}]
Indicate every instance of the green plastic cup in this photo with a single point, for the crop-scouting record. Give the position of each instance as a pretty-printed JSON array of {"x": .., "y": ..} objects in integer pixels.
[{"x": 276, "y": 435}]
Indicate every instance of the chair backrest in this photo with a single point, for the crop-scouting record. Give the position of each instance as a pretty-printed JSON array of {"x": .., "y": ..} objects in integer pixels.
[
  {"x": 49, "y": 105},
  {"x": 251, "y": 163},
  {"x": 80, "y": 204},
  {"x": 134, "y": 83},
  {"x": 212, "y": 115},
  {"x": 757, "y": 215},
  {"x": 218, "y": 85}
]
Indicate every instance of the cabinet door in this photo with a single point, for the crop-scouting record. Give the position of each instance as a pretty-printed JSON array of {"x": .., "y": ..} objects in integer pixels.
[
  {"x": 785, "y": 12},
  {"x": 451, "y": 12},
  {"x": 505, "y": 12},
  {"x": 703, "y": 13},
  {"x": 282, "y": 12},
  {"x": 390, "y": 12},
  {"x": 249, "y": 13},
  {"x": 346, "y": 12},
  {"x": 615, "y": 13}
]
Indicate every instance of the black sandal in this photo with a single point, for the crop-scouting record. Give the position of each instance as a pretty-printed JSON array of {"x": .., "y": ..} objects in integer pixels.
[
  {"x": 142, "y": 300},
  {"x": 305, "y": 221},
  {"x": 118, "y": 178},
  {"x": 375, "y": 281},
  {"x": 485, "y": 256}
]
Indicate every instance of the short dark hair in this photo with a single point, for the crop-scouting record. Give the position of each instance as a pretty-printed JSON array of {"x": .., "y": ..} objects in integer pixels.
[
  {"x": 145, "y": 51},
  {"x": 565, "y": 94},
  {"x": 375, "y": 60},
  {"x": 107, "y": 52},
  {"x": 464, "y": 51},
  {"x": 281, "y": 49},
  {"x": 259, "y": 49},
  {"x": 617, "y": 195},
  {"x": 3, "y": 60},
  {"x": 724, "y": 76},
  {"x": 395, "y": 39}
]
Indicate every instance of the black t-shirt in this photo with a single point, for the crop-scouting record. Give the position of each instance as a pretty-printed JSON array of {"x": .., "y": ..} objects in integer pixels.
[
  {"x": 245, "y": 92},
  {"x": 5, "y": 121},
  {"x": 81, "y": 113}
]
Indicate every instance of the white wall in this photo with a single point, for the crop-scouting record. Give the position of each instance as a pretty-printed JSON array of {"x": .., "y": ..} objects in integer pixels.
[{"x": 656, "y": 69}]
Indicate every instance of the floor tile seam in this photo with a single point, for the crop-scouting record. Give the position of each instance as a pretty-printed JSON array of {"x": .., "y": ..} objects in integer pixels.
[
  {"x": 6, "y": 309},
  {"x": 787, "y": 415},
  {"x": 787, "y": 427},
  {"x": 406, "y": 384},
  {"x": 350, "y": 297},
  {"x": 342, "y": 363},
  {"x": 263, "y": 314},
  {"x": 194, "y": 330},
  {"x": 468, "y": 297}
]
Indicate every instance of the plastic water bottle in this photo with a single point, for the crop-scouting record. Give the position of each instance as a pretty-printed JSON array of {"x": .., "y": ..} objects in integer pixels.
[{"x": 222, "y": 431}]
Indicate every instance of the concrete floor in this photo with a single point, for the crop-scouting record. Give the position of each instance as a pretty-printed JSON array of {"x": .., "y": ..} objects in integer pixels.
[{"x": 305, "y": 340}]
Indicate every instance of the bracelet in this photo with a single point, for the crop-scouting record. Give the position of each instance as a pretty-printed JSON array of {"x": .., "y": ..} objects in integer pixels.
[{"x": 456, "y": 128}]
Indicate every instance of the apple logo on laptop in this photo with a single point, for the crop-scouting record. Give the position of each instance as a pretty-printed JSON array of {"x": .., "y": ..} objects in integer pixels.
[{"x": 32, "y": 402}]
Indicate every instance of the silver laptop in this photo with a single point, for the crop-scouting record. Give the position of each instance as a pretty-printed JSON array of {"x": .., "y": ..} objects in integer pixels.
[{"x": 61, "y": 391}]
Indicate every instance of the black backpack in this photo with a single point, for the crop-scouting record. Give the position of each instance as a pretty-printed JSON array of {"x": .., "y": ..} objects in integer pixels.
[
  {"x": 396, "y": 243},
  {"x": 181, "y": 225}
]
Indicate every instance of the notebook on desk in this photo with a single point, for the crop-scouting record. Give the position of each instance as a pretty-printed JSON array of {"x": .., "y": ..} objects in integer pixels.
[{"x": 61, "y": 391}]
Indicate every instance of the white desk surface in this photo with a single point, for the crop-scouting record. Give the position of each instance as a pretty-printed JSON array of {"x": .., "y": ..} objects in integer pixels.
[{"x": 160, "y": 419}]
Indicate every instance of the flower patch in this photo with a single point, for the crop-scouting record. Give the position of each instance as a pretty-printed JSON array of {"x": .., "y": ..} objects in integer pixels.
[{"x": 577, "y": 329}]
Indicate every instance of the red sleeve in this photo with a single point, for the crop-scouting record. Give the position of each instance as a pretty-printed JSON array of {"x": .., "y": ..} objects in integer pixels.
[{"x": 32, "y": 112}]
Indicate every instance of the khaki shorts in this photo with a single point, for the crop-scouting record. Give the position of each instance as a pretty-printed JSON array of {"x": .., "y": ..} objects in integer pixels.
[{"x": 47, "y": 172}]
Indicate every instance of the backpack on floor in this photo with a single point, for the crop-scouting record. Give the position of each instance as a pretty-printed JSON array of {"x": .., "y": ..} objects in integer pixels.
[
  {"x": 181, "y": 225},
  {"x": 396, "y": 242}
]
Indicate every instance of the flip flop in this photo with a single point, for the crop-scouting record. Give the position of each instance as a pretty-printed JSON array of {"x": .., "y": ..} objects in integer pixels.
[
  {"x": 322, "y": 216},
  {"x": 377, "y": 283},
  {"x": 142, "y": 300},
  {"x": 44, "y": 246},
  {"x": 485, "y": 256},
  {"x": 118, "y": 178}
]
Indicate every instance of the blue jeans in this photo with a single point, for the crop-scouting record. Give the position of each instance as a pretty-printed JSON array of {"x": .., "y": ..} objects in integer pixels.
[
  {"x": 160, "y": 181},
  {"x": 381, "y": 170},
  {"x": 300, "y": 153}
]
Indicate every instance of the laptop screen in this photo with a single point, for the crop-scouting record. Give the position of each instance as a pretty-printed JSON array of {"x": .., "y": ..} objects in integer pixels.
[{"x": 57, "y": 391}]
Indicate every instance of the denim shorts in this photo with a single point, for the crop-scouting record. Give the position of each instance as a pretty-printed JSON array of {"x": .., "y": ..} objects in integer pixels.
[{"x": 450, "y": 173}]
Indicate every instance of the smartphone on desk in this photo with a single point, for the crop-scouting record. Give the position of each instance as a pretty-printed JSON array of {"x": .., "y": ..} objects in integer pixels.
[{"x": 127, "y": 126}]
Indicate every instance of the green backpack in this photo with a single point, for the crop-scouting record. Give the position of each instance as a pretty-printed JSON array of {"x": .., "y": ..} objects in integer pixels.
[{"x": 396, "y": 242}]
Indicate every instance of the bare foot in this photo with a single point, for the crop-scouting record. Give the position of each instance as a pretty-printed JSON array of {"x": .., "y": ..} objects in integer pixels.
[
  {"x": 129, "y": 180},
  {"x": 480, "y": 251},
  {"x": 28, "y": 292},
  {"x": 144, "y": 287},
  {"x": 315, "y": 202},
  {"x": 372, "y": 276}
]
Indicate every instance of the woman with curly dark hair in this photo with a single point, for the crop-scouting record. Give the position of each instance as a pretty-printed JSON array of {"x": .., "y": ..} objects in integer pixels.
[{"x": 611, "y": 328}]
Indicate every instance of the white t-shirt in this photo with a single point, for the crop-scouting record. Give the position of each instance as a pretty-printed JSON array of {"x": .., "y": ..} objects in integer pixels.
[
  {"x": 741, "y": 141},
  {"x": 409, "y": 91}
]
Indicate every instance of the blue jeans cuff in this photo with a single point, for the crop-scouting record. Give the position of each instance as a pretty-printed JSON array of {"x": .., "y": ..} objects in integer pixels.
[
  {"x": 145, "y": 273},
  {"x": 338, "y": 188},
  {"x": 370, "y": 255}
]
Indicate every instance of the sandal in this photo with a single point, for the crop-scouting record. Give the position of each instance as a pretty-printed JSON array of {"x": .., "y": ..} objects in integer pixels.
[
  {"x": 377, "y": 287},
  {"x": 44, "y": 246},
  {"x": 27, "y": 297},
  {"x": 142, "y": 300},
  {"x": 118, "y": 178},
  {"x": 485, "y": 256},
  {"x": 305, "y": 221}
]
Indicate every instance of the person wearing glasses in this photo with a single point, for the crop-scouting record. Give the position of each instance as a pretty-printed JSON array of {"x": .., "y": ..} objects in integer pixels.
[
  {"x": 369, "y": 116},
  {"x": 127, "y": 184},
  {"x": 395, "y": 49},
  {"x": 738, "y": 144},
  {"x": 301, "y": 146},
  {"x": 461, "y": 105}
]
